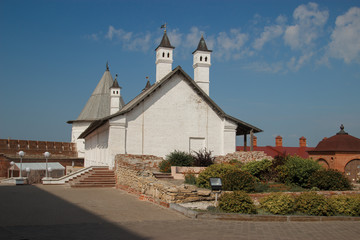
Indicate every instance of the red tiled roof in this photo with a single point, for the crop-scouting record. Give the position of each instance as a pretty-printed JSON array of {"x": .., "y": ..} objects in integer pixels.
[
  {"x": 339, "y": 143},
  {"x": 274, "y": 151}
]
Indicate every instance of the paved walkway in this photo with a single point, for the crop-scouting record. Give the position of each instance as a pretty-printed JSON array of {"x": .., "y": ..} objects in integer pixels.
[{"x": 59, "y": 212}]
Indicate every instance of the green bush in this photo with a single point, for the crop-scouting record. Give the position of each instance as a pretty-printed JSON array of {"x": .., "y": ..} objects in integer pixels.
[
  {"x": 237, "y": 180},
  {"x": 312, "y": 203},
  {"x": 203, "y": 158},
  {"x": 259, "y": 169},
  {"x": 297, "y": 170},
  {"x": 347, "y": 205},
  {"x": 329, "y": 179},
  {"x": 215, "y": 170},
  {"x": 238, "y": 202},
  {"x": 278, "y": 203},
  {"x": 190, "y": 179},
  {"x": 179, "y": 158},
  {"x": 165, "y": 166}
]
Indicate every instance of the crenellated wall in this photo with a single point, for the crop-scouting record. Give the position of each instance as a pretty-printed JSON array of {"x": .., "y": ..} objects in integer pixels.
[{"x": 35, "y": 148}]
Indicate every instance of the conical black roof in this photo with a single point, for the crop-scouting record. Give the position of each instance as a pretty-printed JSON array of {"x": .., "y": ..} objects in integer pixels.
[
  {"x": 115, "y": 84},
  {"x": 202, "y": 46},
  {"x": 165, "y": 42}
]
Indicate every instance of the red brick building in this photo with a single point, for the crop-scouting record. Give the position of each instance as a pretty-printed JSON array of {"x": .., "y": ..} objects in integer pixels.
[
  {"x": 341, "y": 152},
  {"x": 279, "y": 149}
]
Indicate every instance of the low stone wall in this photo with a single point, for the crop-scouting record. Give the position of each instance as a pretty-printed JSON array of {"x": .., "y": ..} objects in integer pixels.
[
  {"x": 243, "y": 157},
  {"x": 133, "y": 175}
]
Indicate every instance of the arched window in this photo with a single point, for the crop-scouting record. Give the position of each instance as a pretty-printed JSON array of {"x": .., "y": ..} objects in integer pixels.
[
  {"x": 163, "y": 54},
  {"x": 205, "y": 59},
  {"x": 117, "y": 92},
  {"x": 113, "y": 92},
  {"x": 168, "y": 55},
  {"x": 201, "y": 59}
]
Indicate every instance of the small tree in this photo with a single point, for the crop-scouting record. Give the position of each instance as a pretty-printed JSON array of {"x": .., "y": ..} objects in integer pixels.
[{"x": 203, "y": 158}]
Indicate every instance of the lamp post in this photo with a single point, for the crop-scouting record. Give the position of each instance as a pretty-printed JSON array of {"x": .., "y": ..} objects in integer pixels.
[
  {"x": 47, "y": 155},
  {"x": 216, "y": 186},
  {"x": 12, "y": 163},
  {"x": 50, "y": 170},
  {"x": 21, "y": 154},
  {"x": 27, "y": 172}
]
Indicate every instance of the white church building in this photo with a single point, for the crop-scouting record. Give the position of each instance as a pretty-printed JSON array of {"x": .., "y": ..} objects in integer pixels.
[{"x": 174, "y": 113}]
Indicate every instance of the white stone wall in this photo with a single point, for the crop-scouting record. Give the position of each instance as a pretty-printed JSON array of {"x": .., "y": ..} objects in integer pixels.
[
  {"x": 170, "y": 118},
  {"x": 76, "y": 130},
  {"x": 96, "y": 148},
  {"x": 174, "y": 117}
]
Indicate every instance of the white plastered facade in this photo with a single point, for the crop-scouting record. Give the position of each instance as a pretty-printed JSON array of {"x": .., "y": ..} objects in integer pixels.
[{"x": 174, "y": 117}]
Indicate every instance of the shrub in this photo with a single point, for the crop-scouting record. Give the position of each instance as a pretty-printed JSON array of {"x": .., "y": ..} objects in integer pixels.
[
  {"x": 312, "y": 203},
  {"x": 259, "y": 169},
  {"x": 203, "y": 158},
  {"x": 236, "y": 180},
  {"x": 238, "y": 202},
  {"x": 278, "y": 203},
  {"x": 179, "y": 158},
  {"x": 215, "y": 170},
  {"x": 297, "y": 170},
  {"x": 165, "y": 166},
  {"x": 190, "y": 177},
  {"x": 347, "y": 205},
  {"x": 329, "y": 179}
]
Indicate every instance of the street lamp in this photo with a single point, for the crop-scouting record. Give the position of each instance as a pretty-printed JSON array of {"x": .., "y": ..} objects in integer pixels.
[
  {"x": 21, "y": 154},
  {"x": 47, "y": 155},
  {"x": 216, "y": 186},
  {"x": 12, "y": 163},
  {"x": 50, "y": 170}
]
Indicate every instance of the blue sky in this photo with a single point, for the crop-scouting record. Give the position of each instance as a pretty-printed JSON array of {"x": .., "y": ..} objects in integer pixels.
[{"x": 290, "y": 68}]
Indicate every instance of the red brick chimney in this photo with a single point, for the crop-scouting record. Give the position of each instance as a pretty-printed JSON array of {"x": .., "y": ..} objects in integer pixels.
[
  {"x": 254, "y": 141},
  {"x": 278, "y": 141},
  {"x": 302, "y": 141}
]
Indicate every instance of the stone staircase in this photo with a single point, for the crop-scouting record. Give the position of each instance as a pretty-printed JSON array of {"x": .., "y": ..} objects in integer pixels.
[{"x": 97, "y": 177}]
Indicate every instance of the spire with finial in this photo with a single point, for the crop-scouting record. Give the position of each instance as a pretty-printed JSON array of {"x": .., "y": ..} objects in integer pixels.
[
  {"x": 165, "y": 42},
  {"x": 115, "y": 83},
  {"x": 148, "y": 85},
  {"x": 342, "y": 132},
  {"x": 107, "y": 66}
]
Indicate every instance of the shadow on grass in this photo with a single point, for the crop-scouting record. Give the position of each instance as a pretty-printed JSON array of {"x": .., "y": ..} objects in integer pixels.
[{"x": 28, "y": 212}]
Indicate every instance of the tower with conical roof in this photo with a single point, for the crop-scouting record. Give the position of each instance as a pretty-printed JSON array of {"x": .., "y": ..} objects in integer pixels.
[
  {"x": 97, "y": 107},
  {"x": 115, "y": 96},
  {"x": 201, "y": 65},
  {"x": 164, "y": 57}
]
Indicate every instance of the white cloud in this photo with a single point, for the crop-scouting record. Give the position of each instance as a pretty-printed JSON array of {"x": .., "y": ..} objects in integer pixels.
[
  {"x": 270, "y": 32},
  {"x": 119, "y": 34},
  {"x": 345, "y": 39},
  {"x": 296, "y": 63},
  {"x": 309, "y": 24},
  {"x": 231, "y": 45},
  {"x": 129, "y": 40}
]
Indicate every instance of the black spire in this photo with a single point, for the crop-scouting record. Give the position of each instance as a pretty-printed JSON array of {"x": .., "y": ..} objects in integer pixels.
[
  {"x": 115, "y": 83},
  {"x": 165, "y": 42},
  {"x": 202, "y": 45},
  {"x": 107, "y": 66},
  {"x": 148, "y": 85},
  {"x": 342, "y": 132}
]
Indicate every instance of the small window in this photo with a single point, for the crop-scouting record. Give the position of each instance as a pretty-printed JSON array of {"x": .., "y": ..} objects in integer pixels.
[
  {"x": 201, "y": 59},
  {"x": 163, "y": 54},
  {"x": 168, "y": 55},
  {"x": 205, "y": 59},
  {"x": 113, "y": 92},
  {"x": 117, "y": 92}
]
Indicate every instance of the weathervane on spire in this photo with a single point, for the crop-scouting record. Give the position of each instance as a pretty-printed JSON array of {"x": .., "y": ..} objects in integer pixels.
[
  {"x": 107, "y": 66},
  {"x": 163, "y": 26}
]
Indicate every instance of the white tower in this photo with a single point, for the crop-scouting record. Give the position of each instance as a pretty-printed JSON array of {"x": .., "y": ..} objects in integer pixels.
[
  {"x": 202, "y": 63},
  {"x": 164, "y": 58},
  {"x": 115, "y": 97}
]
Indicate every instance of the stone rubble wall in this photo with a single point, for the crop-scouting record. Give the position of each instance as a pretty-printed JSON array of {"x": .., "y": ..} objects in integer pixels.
[
  {"x": 243, "y": 157},
  {"x": 133, "y": 174}
]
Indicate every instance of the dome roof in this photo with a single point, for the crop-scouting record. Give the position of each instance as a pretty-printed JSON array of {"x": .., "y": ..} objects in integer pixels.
[{"x": 341, "y": 142}]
